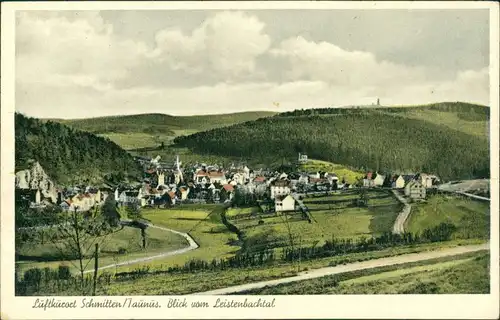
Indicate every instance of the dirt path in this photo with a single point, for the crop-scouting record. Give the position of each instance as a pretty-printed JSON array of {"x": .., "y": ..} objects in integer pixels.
[
  {"x": 328, "y": 271},
  {"x": 192, "y": 245},
  {"x": 403, "y": 215}
]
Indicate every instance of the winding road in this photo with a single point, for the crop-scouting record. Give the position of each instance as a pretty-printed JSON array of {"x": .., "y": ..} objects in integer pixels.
[
  {"x": 192, "y": 245},
  {"x": 328, "y": 271}
]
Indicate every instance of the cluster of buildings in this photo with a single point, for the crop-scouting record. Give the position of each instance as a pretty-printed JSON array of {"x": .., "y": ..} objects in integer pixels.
[
  {"x": 415, "y": 185},
  {"x": 167, "y": 184},
  {"x": 78, "y": 198}
]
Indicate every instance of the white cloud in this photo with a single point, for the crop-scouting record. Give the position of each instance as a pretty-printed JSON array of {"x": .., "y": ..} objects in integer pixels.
[
  {"x": 82, "y": 51},
  {"x": 71, "y": 66},
  {"x": 226, "y": 43},
  {"x": 328, "y": 62}
]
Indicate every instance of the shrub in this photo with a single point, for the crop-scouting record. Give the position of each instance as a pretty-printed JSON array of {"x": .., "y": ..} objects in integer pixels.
[
  {"x": 122, "y": 250},
  {"x": 63, "y": 272},
  {"x": 33, "y": 277}
]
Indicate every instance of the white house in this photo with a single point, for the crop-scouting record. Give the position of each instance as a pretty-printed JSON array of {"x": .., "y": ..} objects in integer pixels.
[
  {"x": 284, "y": 203},
  {"x": 239, "y": 178},
  {"x": 425, "y": 180},
  {"x": 399, "y": 183},
  {"x": 280, "y": 188},
  {"x": 379, "y": 180},
  {"x": 415, "y": 190},
  {"x": 304, "y": 179},
  {"x": 205, "y": 176},
  {"x": 314, "y": 175}
]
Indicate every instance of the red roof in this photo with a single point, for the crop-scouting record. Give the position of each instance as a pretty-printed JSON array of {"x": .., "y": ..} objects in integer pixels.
[
  {"x": 369, "y": 175},
  {"x": 259, "y": 179},
  {"x": 201, "y": 173},
  {"x": 216, "y": 174},
  {"x": 228, "y": 188}
]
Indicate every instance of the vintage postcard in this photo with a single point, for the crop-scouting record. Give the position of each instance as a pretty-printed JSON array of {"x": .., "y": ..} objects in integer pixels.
[{"x": 208, "y": 160}]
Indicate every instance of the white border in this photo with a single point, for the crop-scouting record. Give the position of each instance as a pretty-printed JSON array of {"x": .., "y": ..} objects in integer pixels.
[{"x": 339, "y": 306}]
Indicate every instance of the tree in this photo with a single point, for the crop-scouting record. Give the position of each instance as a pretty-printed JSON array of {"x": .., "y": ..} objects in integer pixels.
[
  {"x": 75, "y": 236},
  {"x": 133, "y": 211},
  {"x": 110, "y": 212},
  {"x": 363, "y": 198}
]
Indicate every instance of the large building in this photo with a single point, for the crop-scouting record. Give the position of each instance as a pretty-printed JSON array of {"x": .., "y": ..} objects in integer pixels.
[{"x": 280, "y": 188}]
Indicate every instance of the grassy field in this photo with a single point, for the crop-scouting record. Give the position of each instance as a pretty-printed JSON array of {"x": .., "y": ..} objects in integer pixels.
[
  {"x": 478, "y": 128},
  {"x": 472, "y": 218},
  {"x": 149, "y": 130},
  {"x": 464, "y": 274},
  {"x": 125, "y": 244},
  {"x": 135, "y": 140},
  {"x": 235, "y": 212},
  {"x": 342, "y": 172},
  {"x": 337, "y": 219},
  {"x": 172, "y": 284},
  {"x": 203, "y": 223}
]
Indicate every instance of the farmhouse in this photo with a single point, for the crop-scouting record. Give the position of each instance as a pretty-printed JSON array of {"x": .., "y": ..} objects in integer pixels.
[
  {"x": 127, "y": 197},
  {"x": 228, "y": 189},
  {"x": 398, "y": 182},
  {"x": 415, "y": 190},
  {"x": 425, "y": 180},
  {"x": 379, "y": 180},
  {"x": 284, "y": 203},
  {"x": 280, "y": 188}
]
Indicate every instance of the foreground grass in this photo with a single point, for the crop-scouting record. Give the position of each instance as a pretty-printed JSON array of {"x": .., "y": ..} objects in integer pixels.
[
  {"x": 170, "y": 284},
  {"x": 463, "y": 274},
  {"x": 472, "y": 218},
  {"x": 122, "y": 245}
]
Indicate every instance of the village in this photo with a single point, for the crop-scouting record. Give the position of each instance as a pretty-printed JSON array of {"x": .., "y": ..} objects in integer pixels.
[{"x": 170, "y": 184}]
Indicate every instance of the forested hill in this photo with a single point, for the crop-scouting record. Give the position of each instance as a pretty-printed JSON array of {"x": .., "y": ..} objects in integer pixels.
[
  {"x": 465, "y": 111},
  {"x": 69, "y": 155},
  {"x": 156, "y": 123},
  {"x": 371, "y": 139}
]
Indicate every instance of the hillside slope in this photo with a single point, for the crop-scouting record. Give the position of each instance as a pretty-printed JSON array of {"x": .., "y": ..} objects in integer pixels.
[
  {"x": 160, "y": 123},
  {"x": 69, "y": 155},
  {"x": 152, "y": 130},
  {"x": 369, "y": 138}
]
